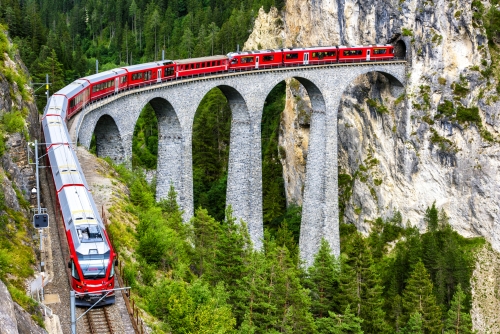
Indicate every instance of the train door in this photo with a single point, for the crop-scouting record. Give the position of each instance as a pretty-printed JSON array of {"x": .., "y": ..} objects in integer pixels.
[
  {"x": 257, "y": 62},
  {"x": 306, "y": 58},
  {"x": 158, "y": 79},
  {"x": 368, "y": 55},
  {"x": 117, "y": 84}
]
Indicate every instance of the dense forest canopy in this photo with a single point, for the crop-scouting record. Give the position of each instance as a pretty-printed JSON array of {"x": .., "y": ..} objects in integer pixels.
[{"x": 65, "y": 38}]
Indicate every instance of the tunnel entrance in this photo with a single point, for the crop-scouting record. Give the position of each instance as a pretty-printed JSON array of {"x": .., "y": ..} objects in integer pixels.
[{"x": 400, "y": 49}]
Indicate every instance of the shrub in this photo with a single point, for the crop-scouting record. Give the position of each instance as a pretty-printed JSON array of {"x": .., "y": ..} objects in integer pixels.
[
  {"x": 468, "y": 114},
  {"x": 13, "y": 122}
]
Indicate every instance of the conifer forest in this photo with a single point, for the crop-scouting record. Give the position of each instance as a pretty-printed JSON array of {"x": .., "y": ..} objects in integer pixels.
[{"x": 203, "y": 276}]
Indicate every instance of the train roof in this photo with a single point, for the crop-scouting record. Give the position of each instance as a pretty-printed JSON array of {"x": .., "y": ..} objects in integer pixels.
[
  {"x": 73, "y": 88},
  {"x": 364, "y": 46},
  {"x": 252, "y": 52},
  {"x": 146, "y": 66},
  {"x": 55, "y": 130},
  {"x": 105, "y": 75},
  {"x": 65, "y": 167},
  {"x": 57, "y": 105},
  {"x": 200, "y": 59},
  {"x": 80, "y": 213}
]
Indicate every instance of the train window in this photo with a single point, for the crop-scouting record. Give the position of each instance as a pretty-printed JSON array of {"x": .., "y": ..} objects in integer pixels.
[
  {"x": 198, "y": 65},
  {"x": 234, "y": 61},
  {"x": 379, "y": 51},
  {"x": 353, "y": 52},
  {"x": 112, "y": 271},
  {"x": 391, "y": 51},
  {"x": 123, "y": 79},
  {"x": 74, "y": 271},
  {"x": 292, "y": 56},
  {"x": 330, "y": 54},
  {"x": 268, "y": 58},
  {"x": 147, "y": 75},
  {"x": 137, "y": 76},
  {"x": 169, "y": 71},
  {"x": 246, "y": 60}
]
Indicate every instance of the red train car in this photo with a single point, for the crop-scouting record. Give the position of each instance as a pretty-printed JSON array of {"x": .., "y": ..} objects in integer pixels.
[
  {"x": 365, "y": 53},
  {"x": 255, "y": 59},
  {"x": 149, "y": 73},
  {"x": 202, "y": 65}
]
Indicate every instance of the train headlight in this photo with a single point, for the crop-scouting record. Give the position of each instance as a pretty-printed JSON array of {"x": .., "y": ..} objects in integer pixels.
[
  {"x": 78, "y": 286},
  {"x": 110, "y": 284}
]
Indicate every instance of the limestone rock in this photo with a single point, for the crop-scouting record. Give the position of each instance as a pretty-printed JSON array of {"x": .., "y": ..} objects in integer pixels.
[
  {"x": 8, "y": 322},
  {"x": 25, "y": 324}
]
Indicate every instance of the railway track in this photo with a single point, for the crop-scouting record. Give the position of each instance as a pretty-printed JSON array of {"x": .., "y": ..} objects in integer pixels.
[{"x": 99, "y": 321}]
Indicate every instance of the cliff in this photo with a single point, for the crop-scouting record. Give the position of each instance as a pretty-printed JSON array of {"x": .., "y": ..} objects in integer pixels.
[
  {"x": 402, "y": 152},
  {"x": 18, "y": 123},
  {"x": 438, "y": 142}
]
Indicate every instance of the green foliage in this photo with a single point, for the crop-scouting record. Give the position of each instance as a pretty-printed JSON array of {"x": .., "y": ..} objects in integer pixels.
[
  {"x": 273, "y": 187},
  {"x": 145, "y": 139},
  {"x": 191, "y": 308},
  {"x": 407, "y": 32},
  {"x": 323, "y": 276},
  {"x": 211, "y": 130},
  {"x": 468, "y": 114},
  {"x": 380, "y": 108},
  {"x": 418, "y": 297},
  {"x": 13, "y": 122},
  {"x": 458, "y": 320},
  {"x": 446, "y": 108},
  {"x": 415, "y": 325},
  {"x": 445, "y": 145},
  {"x": 459, "y": 90},
  {"x": 346, "y": 323}
]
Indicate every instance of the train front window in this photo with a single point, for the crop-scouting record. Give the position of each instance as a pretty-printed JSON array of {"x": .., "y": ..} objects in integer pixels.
[
  {"x": 94, "y": 265},
  {"x": 74, "y": 271},
  {"x": 112, "y": 271}
]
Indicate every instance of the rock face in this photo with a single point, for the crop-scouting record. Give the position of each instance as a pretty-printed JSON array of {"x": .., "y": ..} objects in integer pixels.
[
  {"x": 8, "y": 323},
  {"x": 401, "y": 152},
  {"x": 16, "y": 174},
  {"x": 399, "y": 139}
]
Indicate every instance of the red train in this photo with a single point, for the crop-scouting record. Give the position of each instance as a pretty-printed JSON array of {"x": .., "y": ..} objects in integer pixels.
[{"x": 96, "y": 86}]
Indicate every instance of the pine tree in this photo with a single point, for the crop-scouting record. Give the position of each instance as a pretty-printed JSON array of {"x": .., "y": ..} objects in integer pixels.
[
  {"x": 323, "y": 281},
  {"x": 361, "y": 286},
  {"x": 233, "y": 249},
  {"x": 206, "y": 231},
  {"x": 414, "y": 325},
  {"x": 418, "y": 297},
  {"x": 458, "y": 320},
  {"x": 347, "y": 323}
]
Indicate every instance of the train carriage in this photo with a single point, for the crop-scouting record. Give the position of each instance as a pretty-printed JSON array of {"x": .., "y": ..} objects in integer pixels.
[
  {"x": 138, "y": 75},
  {"x": 106, "y": 83},
  {"x": 202, "y": 65},
  {"x": 66, "y": 166},
  {"x": 77, "y": 94},
  {"x": 248, "y": 60}
]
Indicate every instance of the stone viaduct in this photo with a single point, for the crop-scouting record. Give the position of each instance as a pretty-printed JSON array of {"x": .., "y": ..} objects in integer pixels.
[{"x": 175, "y": 103}]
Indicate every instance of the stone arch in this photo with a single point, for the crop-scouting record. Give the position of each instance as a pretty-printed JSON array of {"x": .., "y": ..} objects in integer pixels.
[
  {"x": 171, "y": 150},
  {"x": 109, "y": 141}
]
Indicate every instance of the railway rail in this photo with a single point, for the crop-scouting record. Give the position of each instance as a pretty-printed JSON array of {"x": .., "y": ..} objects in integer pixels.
[{"x": 98, "y": 321}]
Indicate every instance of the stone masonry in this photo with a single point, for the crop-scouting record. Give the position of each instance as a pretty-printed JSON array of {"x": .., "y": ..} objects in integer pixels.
[{"x": 175, "y": 104}]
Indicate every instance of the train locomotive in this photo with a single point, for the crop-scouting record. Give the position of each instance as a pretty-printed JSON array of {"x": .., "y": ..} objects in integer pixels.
[{"x": 92, "y": 258}]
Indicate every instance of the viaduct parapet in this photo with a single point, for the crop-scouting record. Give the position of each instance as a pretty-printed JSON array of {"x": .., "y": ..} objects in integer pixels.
[{"x": 175, "y": 103}]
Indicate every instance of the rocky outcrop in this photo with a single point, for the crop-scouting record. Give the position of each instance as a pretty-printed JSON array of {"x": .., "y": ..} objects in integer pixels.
[
  {"x": 417, "y": 157},
  {"x": 8, "y": 322}
]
